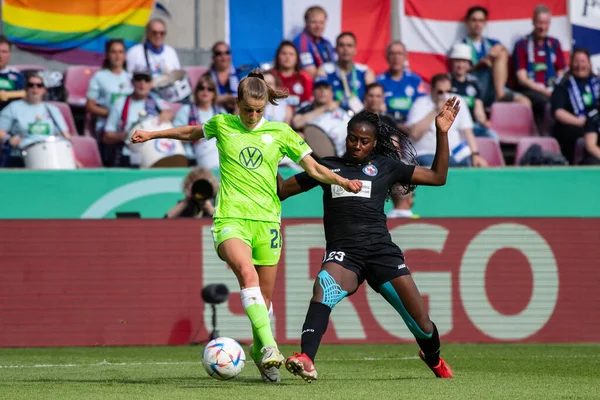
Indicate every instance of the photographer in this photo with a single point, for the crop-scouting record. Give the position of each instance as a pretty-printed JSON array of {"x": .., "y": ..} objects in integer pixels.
[{"x": 200, "y": 187}]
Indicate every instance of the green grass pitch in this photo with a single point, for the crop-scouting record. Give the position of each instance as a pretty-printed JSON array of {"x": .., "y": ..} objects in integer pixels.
[{"x": 345, "y": 372}]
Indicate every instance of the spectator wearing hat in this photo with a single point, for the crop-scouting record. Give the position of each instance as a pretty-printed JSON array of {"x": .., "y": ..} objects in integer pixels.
[
  {"x": 467, "y": 87},
  {"x": 127, "y": 112},
  {"x": 325, "y": 113}
]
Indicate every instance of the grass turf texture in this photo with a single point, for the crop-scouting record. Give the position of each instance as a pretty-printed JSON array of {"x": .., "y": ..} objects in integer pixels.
[{"x": 345, "y": 372}]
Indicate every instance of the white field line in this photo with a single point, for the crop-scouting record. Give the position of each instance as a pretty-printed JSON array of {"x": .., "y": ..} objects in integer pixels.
[{"x": 128, "y": 364}]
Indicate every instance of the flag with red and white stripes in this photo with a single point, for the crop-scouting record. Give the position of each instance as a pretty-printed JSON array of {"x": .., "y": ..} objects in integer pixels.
[{"x": 430, "y": 28}]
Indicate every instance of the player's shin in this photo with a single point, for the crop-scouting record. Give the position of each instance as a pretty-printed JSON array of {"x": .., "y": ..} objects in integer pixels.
[
  {"x": 255, "y": 307},
  {"x": 315, "y": 326},
  {"x": 256, "y": 354},
  {"x": 431, "y": 347}
]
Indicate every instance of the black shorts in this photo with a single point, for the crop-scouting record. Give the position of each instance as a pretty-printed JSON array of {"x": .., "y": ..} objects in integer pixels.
[{"x": 377, "y": 264}]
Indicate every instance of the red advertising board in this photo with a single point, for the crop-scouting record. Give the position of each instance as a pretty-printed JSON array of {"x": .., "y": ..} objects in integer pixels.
[{"x": 138, "y": 282}]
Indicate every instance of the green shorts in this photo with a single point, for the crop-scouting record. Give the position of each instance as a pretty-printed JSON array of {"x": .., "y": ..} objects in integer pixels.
[{"x": 264, "y": 238}]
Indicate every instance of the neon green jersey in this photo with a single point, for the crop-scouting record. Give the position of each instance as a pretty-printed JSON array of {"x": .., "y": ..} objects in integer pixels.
[{"x": 248, "y": 163}]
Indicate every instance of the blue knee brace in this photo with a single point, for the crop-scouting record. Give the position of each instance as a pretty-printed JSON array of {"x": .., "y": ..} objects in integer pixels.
[
  {"x": 332, "y": 292},
  {"x": 389, "y": 293}
]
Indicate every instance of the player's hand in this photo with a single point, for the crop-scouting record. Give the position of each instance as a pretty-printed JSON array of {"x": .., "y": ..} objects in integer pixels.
[
  {"x": 445, "y": 118},
  {"x": 14, "y": 140},
  {"x": 479, "y": 161},
  {"x": 140, "y": 136},
  {"x": 353, "y": 186}
]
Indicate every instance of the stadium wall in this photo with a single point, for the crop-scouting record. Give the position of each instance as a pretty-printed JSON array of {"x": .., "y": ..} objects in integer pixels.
[
  {"x": 138, "y": 282},
  {"x": 508, "y": 192}
]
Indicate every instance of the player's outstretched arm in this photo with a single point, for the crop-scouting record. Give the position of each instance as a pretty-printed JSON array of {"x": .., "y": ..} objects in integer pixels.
[
  {"x": 192, "y": 132},
  {"x": 287, "y": 187},
  {"x": 436, "y": 176},
  {"x": 324, "y": 175}
]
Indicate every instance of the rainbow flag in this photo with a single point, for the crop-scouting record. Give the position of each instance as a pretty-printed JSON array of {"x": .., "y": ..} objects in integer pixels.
[{"x": 74, "y": 31}]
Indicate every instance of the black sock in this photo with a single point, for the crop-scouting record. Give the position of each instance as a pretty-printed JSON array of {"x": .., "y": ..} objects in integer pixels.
[
  {"x": 431, "y": 347},
  {"x": 315, "y": 325}
]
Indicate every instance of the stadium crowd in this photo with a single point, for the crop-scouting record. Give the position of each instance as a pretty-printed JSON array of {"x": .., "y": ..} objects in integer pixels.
[{"x": 512, "y": 97}]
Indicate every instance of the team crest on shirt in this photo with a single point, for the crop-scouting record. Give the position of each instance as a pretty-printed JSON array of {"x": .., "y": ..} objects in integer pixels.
[
  {"x": 409, "y": 91},
  {"x": 298, "y": 88},
  {"x": 370, "y": 170},
  {"x": 471, "y": 91}
]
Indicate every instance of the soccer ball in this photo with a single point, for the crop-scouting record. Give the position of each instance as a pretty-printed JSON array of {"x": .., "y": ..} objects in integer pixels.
[{"x": 223, "y": 358}]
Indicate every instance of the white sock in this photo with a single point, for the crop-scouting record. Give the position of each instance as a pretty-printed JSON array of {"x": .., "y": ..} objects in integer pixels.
[
  {"x": 252, "y": 295},
  {"x": 271, "y": 319}
]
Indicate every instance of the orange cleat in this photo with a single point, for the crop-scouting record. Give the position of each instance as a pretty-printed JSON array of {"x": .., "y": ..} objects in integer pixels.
[
  {"x": 442, "y": 370},
  {"x": 302, "y": 365}
]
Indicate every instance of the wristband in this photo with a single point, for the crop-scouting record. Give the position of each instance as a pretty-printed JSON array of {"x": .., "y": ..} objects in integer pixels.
[{"x": 475, "y": 153}]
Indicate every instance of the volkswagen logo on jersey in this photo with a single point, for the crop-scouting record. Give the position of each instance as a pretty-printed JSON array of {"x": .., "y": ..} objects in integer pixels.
[
  {"x": 164, "y": 146},
  {"x": 370, "y": 170},
  {"x": 251, "y": 157}
]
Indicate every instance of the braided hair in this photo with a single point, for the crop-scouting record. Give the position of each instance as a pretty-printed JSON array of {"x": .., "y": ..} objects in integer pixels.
[{"x": 391, "y": 143}]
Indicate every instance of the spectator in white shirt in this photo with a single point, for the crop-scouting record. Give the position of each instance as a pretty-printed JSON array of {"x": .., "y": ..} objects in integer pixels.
[
  {"x": 403, "y": 204},
  {"x": 421, "y": 123},
  {"x": 153, "y": 55}
]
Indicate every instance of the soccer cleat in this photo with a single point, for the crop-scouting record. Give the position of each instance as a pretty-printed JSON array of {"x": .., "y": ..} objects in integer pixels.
[
  {"x": 269, "y": 374},
  {"x": 302, "y": 365},
  {"x": 442, "y": 370},
  {"x": 272, "y": 357}
]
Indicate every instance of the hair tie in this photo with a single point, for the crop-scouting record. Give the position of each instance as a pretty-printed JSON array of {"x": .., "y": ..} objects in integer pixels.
[{"x": 256, "y": 75}]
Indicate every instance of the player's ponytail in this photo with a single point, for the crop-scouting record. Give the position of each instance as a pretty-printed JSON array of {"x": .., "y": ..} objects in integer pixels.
[
  {"x": 391, "y": 143},
  {"x": 255, "y": 87}
]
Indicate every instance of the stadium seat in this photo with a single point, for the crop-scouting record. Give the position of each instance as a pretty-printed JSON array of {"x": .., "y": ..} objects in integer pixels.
[
  {"x": 65, "y": 110},
  {"x": 77, "y": 78},
  {"x": 194, "y": 72},
  {"x": 512, "y": 121},
  {"x": 28, "y": 67},
  {"x": 579, "y": 152},
  {"x": 89, "y": 125},
  {"x": 546, "y": 143},
  {"x": 86, "y": 150},
  {"x": 491, "y": 151}
]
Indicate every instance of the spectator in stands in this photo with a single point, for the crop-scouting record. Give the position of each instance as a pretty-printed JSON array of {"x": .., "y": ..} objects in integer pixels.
[
  {"x": 153, "y": 55},
  {"x": 401, "y": 86},
  {"x": 421, "y": 122},
  {"x": 282, "y": 112},
  {"x": 347, "y": 78},
  {"x": 204, "y": 108},
  {"x": 489, "y": 60},
  {"x": 403, "y": 204},
  {"x": 225, "y": 76},
  {"x": 109, "y": 84},
  {"x": 314, "y": 49},
  {"x": 539, "y": 61},
  {"x": 325, "y": 113},
  {"x": 200, "y": 187},
  {"x": 287, "y": 69},
  {"x": 592, "y": 138},
  {"x": 29, "y": 120},
  {"x": 12, "y": 82},
  {"x": 467, "y": 86},
  {"x": 374, "y": 102},
  {"x": 574, "y": 96},
  {"x": 126, "y": 113}
]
